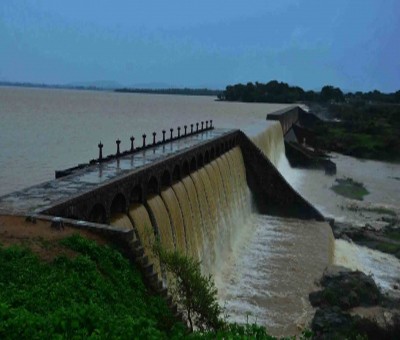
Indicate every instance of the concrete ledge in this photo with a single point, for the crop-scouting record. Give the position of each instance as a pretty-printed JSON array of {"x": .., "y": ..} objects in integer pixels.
[
  {"x": 287, "y": 117},
  {"x": 273, "y": 194},
  {"x": 301, "y": 157}
]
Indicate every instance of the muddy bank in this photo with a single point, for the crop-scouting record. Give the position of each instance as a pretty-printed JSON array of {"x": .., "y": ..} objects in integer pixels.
[{"x": 40, "y": 236}]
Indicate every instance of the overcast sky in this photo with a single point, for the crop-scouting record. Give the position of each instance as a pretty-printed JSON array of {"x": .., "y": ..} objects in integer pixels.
[{"x": 353, "y": 44}]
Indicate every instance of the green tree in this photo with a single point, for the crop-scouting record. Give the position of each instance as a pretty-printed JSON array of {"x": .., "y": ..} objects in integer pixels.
[
  {"x": 330, "y": 93},
  {"x": 195, "y": 292}
]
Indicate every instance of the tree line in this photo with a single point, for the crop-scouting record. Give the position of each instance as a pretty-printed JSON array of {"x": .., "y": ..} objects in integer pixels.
[
  {"x": 280, "y": 92},
  {"x": 180, "y": 91}
]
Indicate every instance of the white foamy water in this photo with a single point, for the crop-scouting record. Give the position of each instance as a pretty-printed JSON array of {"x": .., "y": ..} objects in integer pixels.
[
  {"x": 384, "y": 268},
  {"x": 272, "y": 269}
]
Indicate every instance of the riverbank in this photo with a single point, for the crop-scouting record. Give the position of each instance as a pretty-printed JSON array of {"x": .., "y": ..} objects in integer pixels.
[
  {"x": 359, "y": 225},
  {"x": 367, "y": 131},
  {"x": 350, "y": 303},
  {"x": 385, "y": 239}
]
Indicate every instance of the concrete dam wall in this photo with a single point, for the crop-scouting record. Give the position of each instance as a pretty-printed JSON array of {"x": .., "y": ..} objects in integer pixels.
[{"x": 200, "y": 213}]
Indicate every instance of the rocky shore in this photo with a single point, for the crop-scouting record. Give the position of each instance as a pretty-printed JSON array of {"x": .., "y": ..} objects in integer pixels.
[
  {"x": 383, "y": 236},
  {"x": 349, "y": 303}
]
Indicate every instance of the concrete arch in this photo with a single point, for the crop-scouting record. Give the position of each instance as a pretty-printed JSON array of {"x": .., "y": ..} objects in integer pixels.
[
  {"x": 118, "y": 204},
  {"x": 193, "y": 164},
  {"x": 222, "y": 148},
  {"x": 73, "y": 217},
  {"x": 185, "y": 169},
  {"x": 152, "y": 186},
  {"x": 212, "y": 153},
  {"x": 166, "y": 179},
  {"x": 98, "y": 214},
  {"x": 136, "y": 195},
  {"x": 176, "y": 174},
  {"x": 200, "y": 160},
  {"x": 206, "y": 157}
]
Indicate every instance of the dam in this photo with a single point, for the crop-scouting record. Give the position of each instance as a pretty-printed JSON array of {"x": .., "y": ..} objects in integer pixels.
[{"x": 195, "y": 192}]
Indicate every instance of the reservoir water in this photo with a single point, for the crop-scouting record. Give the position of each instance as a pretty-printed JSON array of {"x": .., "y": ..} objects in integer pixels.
[
  {"x": 43, "y": 130},
  {"x": 264, "y": 266}
]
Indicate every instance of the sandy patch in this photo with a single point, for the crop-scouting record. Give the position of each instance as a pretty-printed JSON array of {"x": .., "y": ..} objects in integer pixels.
[{"x": 40, "y": 237}]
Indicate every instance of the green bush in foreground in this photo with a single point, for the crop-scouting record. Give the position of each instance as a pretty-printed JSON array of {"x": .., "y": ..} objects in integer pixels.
[{"x": 192, "y": 290}]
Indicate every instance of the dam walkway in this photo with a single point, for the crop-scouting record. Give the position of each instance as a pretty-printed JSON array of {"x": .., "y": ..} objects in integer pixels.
[{"x": 41, "y": 197}]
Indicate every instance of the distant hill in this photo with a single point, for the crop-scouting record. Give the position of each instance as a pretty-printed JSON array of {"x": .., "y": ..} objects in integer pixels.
[
  {"x": 100, "y": 84},
  {"x": 153, "y": 85}
]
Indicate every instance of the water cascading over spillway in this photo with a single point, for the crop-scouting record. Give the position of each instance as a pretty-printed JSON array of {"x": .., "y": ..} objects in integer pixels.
[
  {"x": 198, "y": 215},
  {"x": 276, "y": 261},
  {"x": 270, "y": 141}
]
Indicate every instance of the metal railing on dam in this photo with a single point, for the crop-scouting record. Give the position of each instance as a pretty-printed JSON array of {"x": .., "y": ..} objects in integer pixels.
[{"x": 151, "y": 163}]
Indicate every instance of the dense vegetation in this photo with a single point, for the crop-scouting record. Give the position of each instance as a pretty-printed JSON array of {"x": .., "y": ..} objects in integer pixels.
[
  {"x": 96, "y": 294},
  {"x": 367, "y": 126},
  {"x": 280, "y": 92},
  {"x": 367, "y": 131},
  {"x": 180, "y": 91}
]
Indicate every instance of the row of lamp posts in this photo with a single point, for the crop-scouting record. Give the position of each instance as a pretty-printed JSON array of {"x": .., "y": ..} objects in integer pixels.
[{"x": 118, "y": 142}]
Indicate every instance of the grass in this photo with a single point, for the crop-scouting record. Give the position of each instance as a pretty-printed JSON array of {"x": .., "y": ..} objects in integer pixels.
[
  {"x": 95, "y": 294},
  {"x": 385, "y": 246},
  {"x": 349, "y": 188},
  {"x": 380, "y": 210},
  {"x": 393, "y": 235},
  {"x": 389, "y": 248}
]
